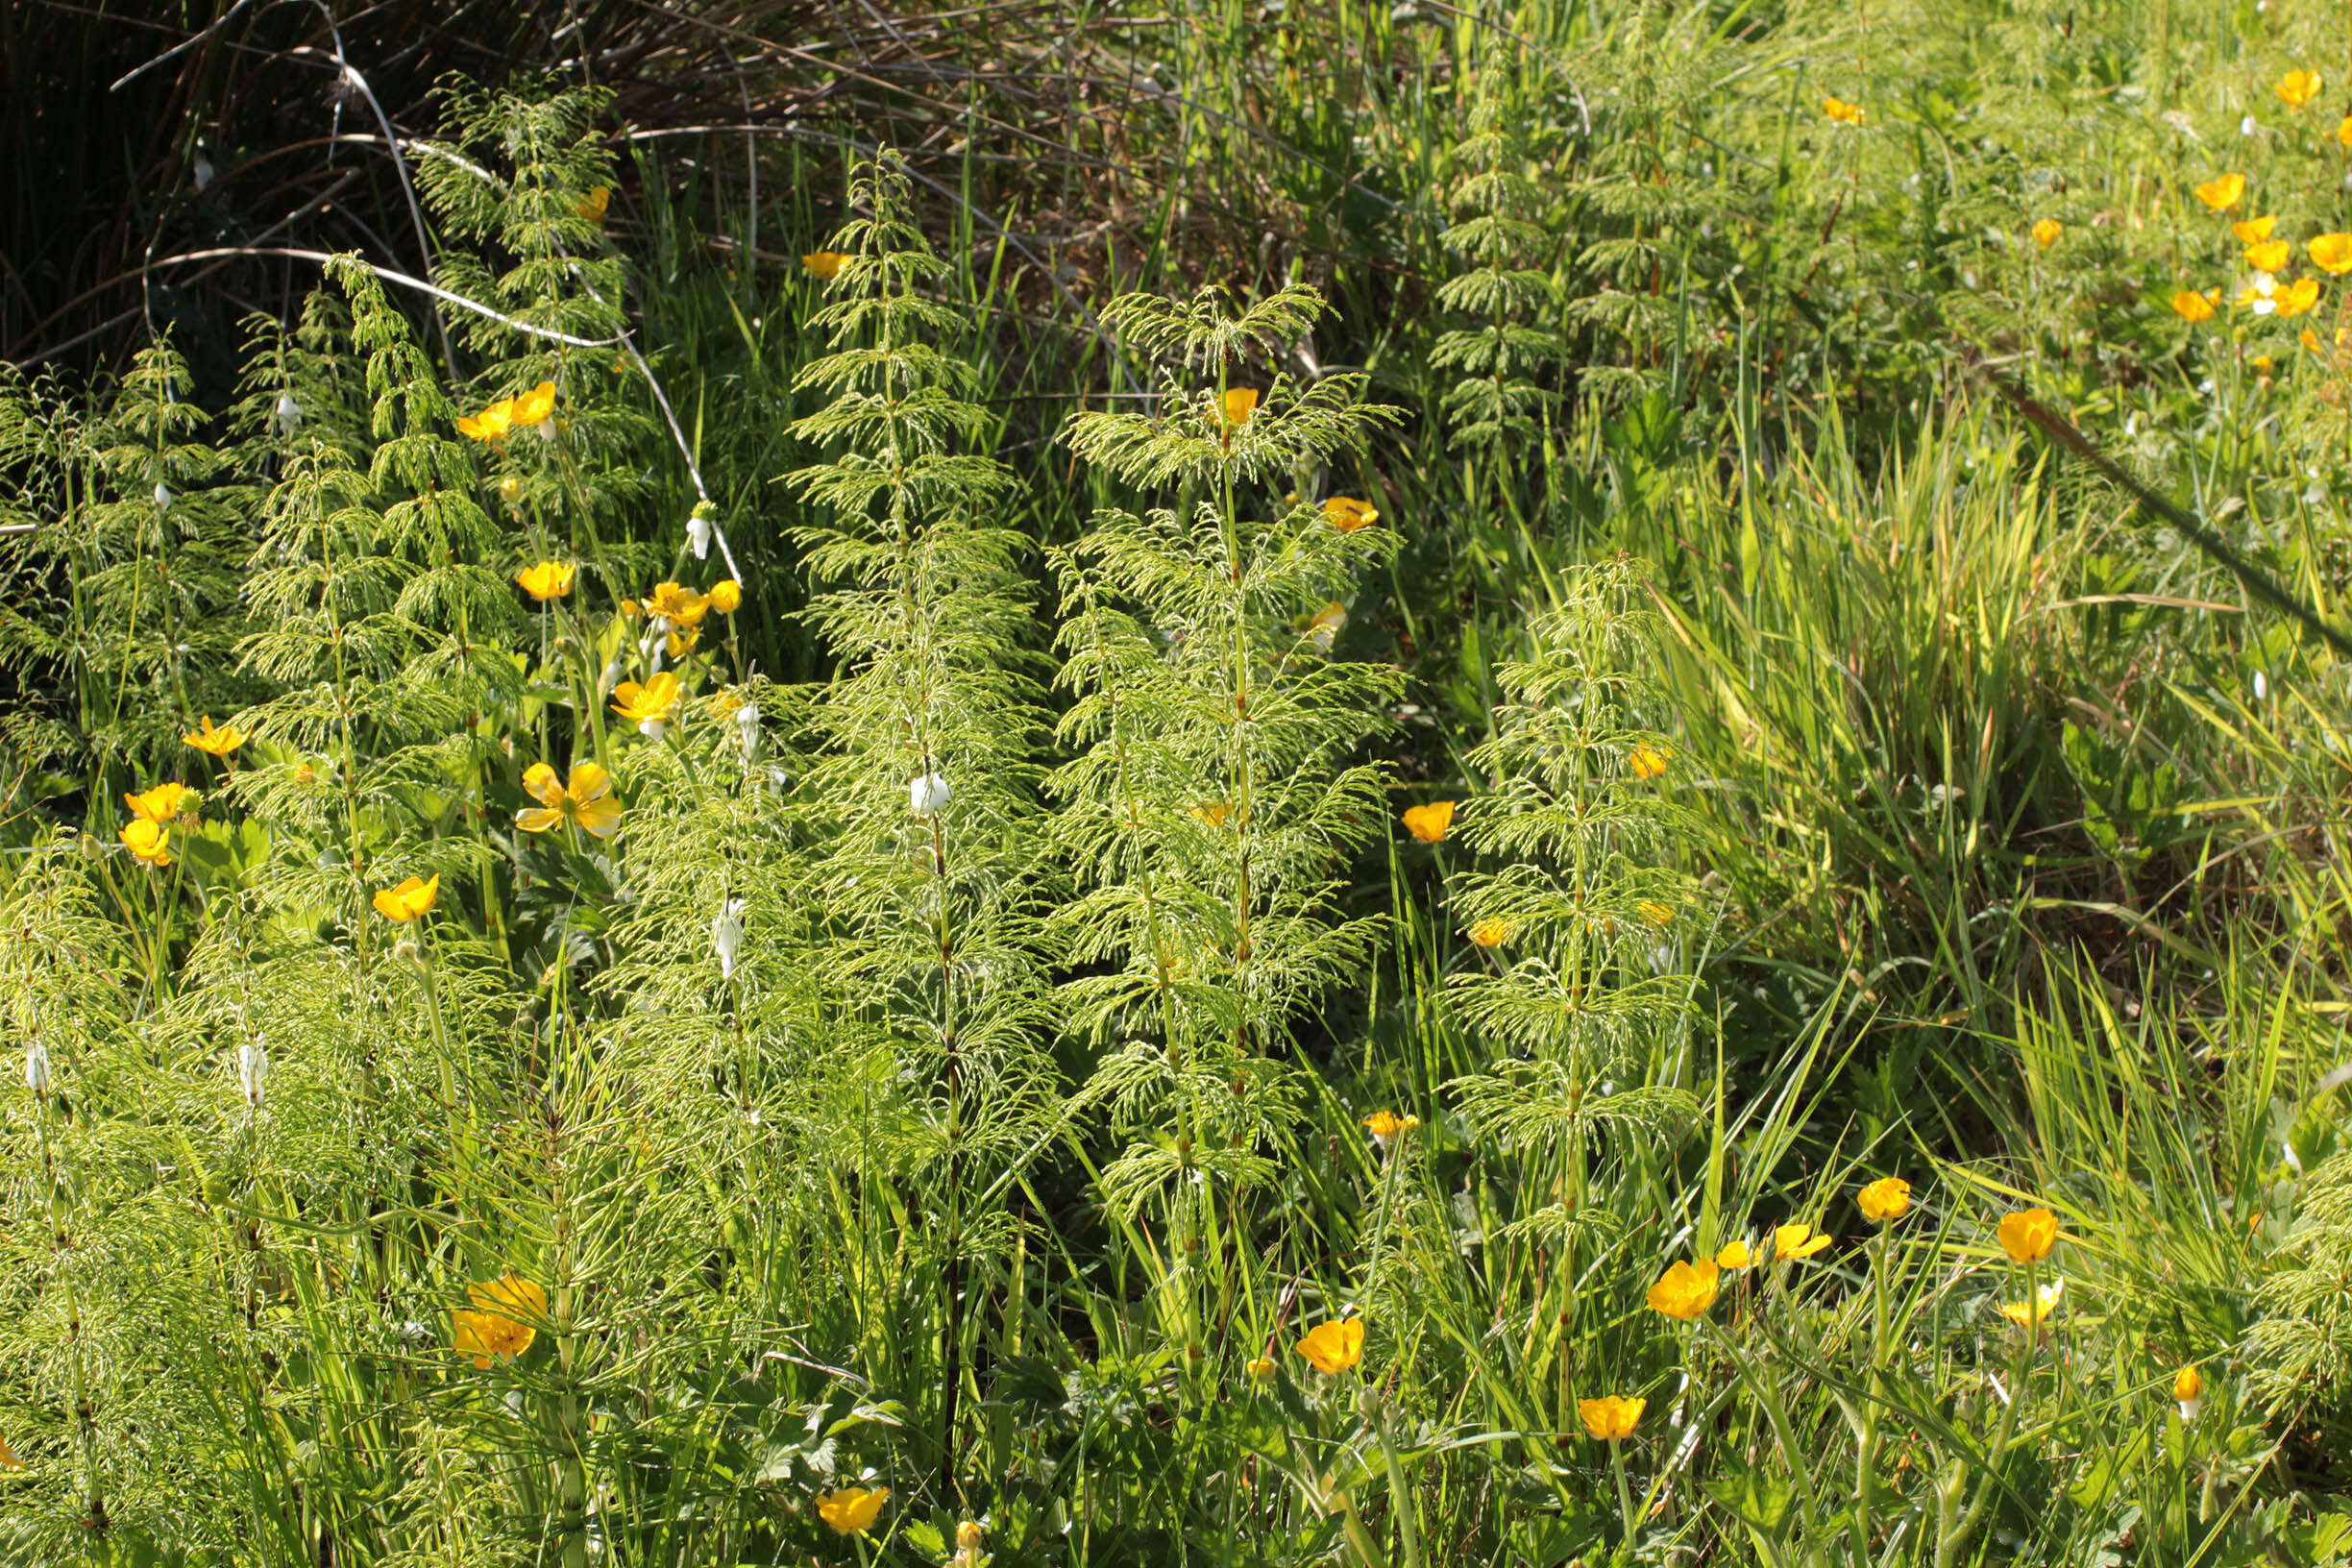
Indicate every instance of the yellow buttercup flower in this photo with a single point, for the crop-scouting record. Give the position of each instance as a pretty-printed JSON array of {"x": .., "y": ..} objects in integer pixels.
[
  {"x": 2270, "y": 255},
  {"x": 1239, "y": 406},
  {"x": 680, "y": 606},
  {"x": 2189, "y": 1388},
  {"x": 546, "y": 579},
  {"x": 1215, "y": 812},
  {"x": 1347, "y": 514},
  {"x": 1798, "y": 1241},
  {"x": 1735, "y": 1256},
  {"x": 2033, "y": 1314},
  {"x": 503, "y": 1322},
  {"x": 218, "y": 742},
  {"x": 2343, "y": 131},
  {"x": 490, "y": 425},
  {"x": 2253, "y": 231},
  {"x": 409, "y": 900},
  {"x": 2028, "y": 1234},
  {"x": 2222, "y": 192},
  {"x": 1648, "y": 761},
  {"x": 726, "y": 596},
  {"x": 1842, "y": 111},
  {"x": 853, "y": 1510},
  {"x": 2047, "y": 230},
  {"x": 533, "y": 406},
  {"x": 586, "y": 800},
  {"x": 1335, "y": 1346},
  {"x": 2297, "y": 88},
  {"x": 1887, "y": 1198},
  {"x": 1493, "y": 933},
  {"x": 592, "y": 206},
  {"x": 1656, "y": 912},
  {"x": 1260, "y": 1367},
  {"x": 2331, "y": 252},
  {"x": 148, "y": 842},
  {"x": 823, "y": 264},
  {"x": 1685, "y": 1289},
  {"x": 1612, "y": 1417},
  {"x": 1430, "y": 823},
  {"x": 2191, "y": 305},
  {"x": 1387, "y": 1125},
  {"x": 649, "y": 703},
  {"x": 159, "y": 804},
  {"x": 2297, "y": 297},
  {"x": 8, "y": 1456}
]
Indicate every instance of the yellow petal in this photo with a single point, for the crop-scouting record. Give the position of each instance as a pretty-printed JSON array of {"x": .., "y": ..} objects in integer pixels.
[
  {"x": 598, "y": 816},
  {"x": 542, "y": 785},
  {"x": 590, "y": 781}
]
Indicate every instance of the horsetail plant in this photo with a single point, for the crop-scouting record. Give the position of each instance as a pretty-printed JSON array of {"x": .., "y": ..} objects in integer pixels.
[
  {"x": 922, "y": 778},
  {"x": 1217, "y": 784}
]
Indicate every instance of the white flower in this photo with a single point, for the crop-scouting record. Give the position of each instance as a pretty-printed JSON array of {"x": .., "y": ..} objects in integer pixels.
[
  {"x": 747, "y": 731},
  {"x": 514, "y": 1401},
  {"x": 928, "y": 795},
  {"x": 547, "y": 429},
  {"x": 37, "y": 1065},
  {"x": 289, "y": 412},
  {"x": 699, "y": 534},
  {"x": 727, "y": 933},
  {"x": 162, "y": 498},
  {"x": 252, "y": 1067},
  {"x": 203, "y": 171},
  {"x": 2246, "y": 127},
  {"x": 652, "y": 729},
  {"x": 2262, "y": 686}
]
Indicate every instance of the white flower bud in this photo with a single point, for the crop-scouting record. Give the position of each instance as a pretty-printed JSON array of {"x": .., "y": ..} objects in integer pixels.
[
  {"x": 289, "y": 412},
  {"x": 547, "y": 429},
  {"x": 727, "y": 933},
  {"x": 37, "y": 1065},
  {"x": 928, "y": 795},
  {"x": 652, "y": 730},
  {"x": 699, "y": 535},
  {"x": 747, "y": 731},
  {"x": 203, "y": 171},
  {"x": 252, "y": 1067},
  {"x": 162, "y": 498}
]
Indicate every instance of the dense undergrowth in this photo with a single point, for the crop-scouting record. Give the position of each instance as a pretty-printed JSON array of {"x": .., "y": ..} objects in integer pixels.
[{"x": 1432, "y": 835}]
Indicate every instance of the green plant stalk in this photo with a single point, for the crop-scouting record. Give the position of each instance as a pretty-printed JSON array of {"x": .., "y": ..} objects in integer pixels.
[
  {"x": 1866, "y": 1454},
  {"x": 1953, "y": 1533},
  {"x": 1624, "y": 1493},
  {"x": 1401, "y": 1499}
]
